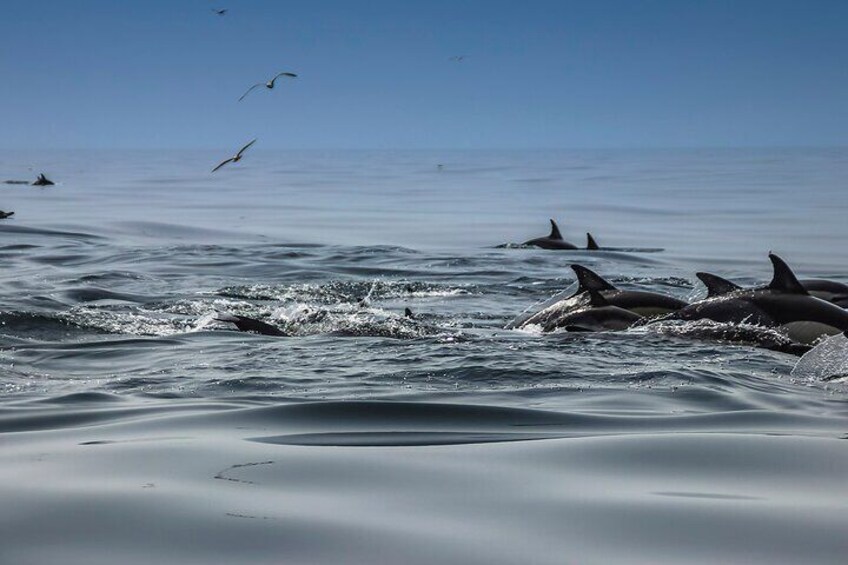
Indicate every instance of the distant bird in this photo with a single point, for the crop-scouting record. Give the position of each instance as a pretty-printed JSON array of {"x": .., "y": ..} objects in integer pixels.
[
  {"x": 457, "y": 58},
  {"x": 220, "y": 12},
  {"x": 235, "y": 159},
  {"x": 269, "y": 84},
  {"x": 43, "y": 181},
  {"x": 4, "y": 215}
]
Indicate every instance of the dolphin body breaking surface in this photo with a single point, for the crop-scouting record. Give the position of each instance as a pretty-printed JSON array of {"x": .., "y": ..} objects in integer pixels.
[
  {"x": 245, "y": 324},
  {"x": 598, "y": 315},
  {"x": 43, "y": 181},
  {"x": 785, "y": 304},
  {"x": 831, "y": 291},
  {"x": 555, "y": 240},
  {"x": 639, "y": 302}
]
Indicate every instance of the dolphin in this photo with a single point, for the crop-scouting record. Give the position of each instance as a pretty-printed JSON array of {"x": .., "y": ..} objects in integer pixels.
[
  {"x": 553, "y": 241},
  {"x": 640, "y": 302},
  {"x": 831, "y": 291},
  {"x": 245, "y": 324},
  {"x": 784, "y": 304},
  {"x": 43, "y": 181},
  {"x": 598, "y": 315}
]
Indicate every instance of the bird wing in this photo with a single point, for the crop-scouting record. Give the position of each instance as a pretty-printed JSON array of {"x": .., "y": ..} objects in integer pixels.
[
  {"x": 285, "y": 74},
  {"x": 222, "y": 163},
  {"x": 249, "y": 89},
  {"x": 244, "y": 148}
]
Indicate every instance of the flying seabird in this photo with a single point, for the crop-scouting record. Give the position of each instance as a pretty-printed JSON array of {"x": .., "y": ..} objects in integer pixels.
[
  {"x": 4, "y": 215},
  {"x": 219, "y": 12},
  {"x": 235, "y": 159},
  {"x": 269, "y": 84}
]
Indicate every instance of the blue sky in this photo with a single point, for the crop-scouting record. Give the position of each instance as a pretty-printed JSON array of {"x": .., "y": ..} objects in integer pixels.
[{"x": 378, "y": 74}]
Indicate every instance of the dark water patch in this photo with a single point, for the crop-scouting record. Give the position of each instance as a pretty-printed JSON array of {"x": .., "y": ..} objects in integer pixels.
[
  {"x": 58, "y": 234},
  {"x": 166, "y": 231},
  {"x": 19, "y": 247},
  {"x": 106, "y": 277},
  {"x": 30, "y": 325},
  {"x": 708, "y": 495},
  {"x": 67, "y": 412},
  {"x": 81, "y": 399},
  {"x": 66, "y": 259},
  {"x": 400, "y": 439},
  {"x": 93, "y": 294},
  {"x": 379, "y": 423}
]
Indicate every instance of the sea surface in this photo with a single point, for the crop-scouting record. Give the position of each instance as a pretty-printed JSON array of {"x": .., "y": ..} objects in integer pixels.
[{"x": 137, "y": 429}]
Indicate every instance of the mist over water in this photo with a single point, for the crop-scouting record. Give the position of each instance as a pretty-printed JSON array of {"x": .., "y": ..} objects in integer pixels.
[{"x": 129, "y": 414}]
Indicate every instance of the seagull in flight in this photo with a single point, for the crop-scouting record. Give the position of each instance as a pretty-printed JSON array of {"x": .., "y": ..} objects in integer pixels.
[
  {"x": 235, "y": 159},
  {"x": 269, "y": 84},
  {"x": 219, "y": 12},
  {"x": 457, "y": 58}
]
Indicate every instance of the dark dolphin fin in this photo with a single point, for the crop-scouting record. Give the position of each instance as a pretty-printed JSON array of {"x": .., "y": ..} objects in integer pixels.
[
  {"x": 590, "y": 280},
  {"x": 716, "y": 285},
  {"x": 784, "y": 279},
  {"x": 591, "y": 244},
  {"x": 407, "y": 313},
  {"x": 596, "y": 299},
  {"x": 554, "y": 231}
]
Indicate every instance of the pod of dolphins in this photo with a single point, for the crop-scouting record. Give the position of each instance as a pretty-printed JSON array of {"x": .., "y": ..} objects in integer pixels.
[
  {"x": 803, "y": 311},
  {"x": 800, "y": 311}
]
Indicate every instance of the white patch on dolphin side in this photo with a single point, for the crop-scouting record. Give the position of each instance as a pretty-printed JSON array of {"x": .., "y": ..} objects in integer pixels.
[{"x": 808, "y": 332}]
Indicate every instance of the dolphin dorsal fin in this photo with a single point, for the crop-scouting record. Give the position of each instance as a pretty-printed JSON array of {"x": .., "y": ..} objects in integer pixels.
[
  {"x": 591, "y": 243},
  {"x": 554, "y": 231},
  {"x": 716, "y": 285},
  {"x": 407, "y": 313},
  {"x": 590, "y": 280},
  {"x": 784, "y": 280},
  {"x": 596, "y": 299}
]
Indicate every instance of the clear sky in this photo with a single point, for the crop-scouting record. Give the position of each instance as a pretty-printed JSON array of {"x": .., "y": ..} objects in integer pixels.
[{"x": 379, "y": 74}]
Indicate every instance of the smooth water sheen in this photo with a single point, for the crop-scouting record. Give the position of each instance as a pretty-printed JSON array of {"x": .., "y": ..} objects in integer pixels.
[{"x": 134, "y": 428}]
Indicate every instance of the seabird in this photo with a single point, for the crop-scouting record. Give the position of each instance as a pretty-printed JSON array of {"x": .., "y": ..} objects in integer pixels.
[
  {"x": 269, "y": 84},
  {"x": 219, "y": 12},
  {"x": 457, "y": 58},
  {"x": 4, "y": 215},
  {"x": 237, "y": 157}
]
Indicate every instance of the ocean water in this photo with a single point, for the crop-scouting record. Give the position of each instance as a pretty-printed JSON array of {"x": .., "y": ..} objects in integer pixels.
[{"x": 134, "y": 428}]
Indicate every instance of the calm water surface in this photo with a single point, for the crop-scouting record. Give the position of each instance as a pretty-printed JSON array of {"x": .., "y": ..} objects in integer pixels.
[{"x": 134, "y": 428}]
